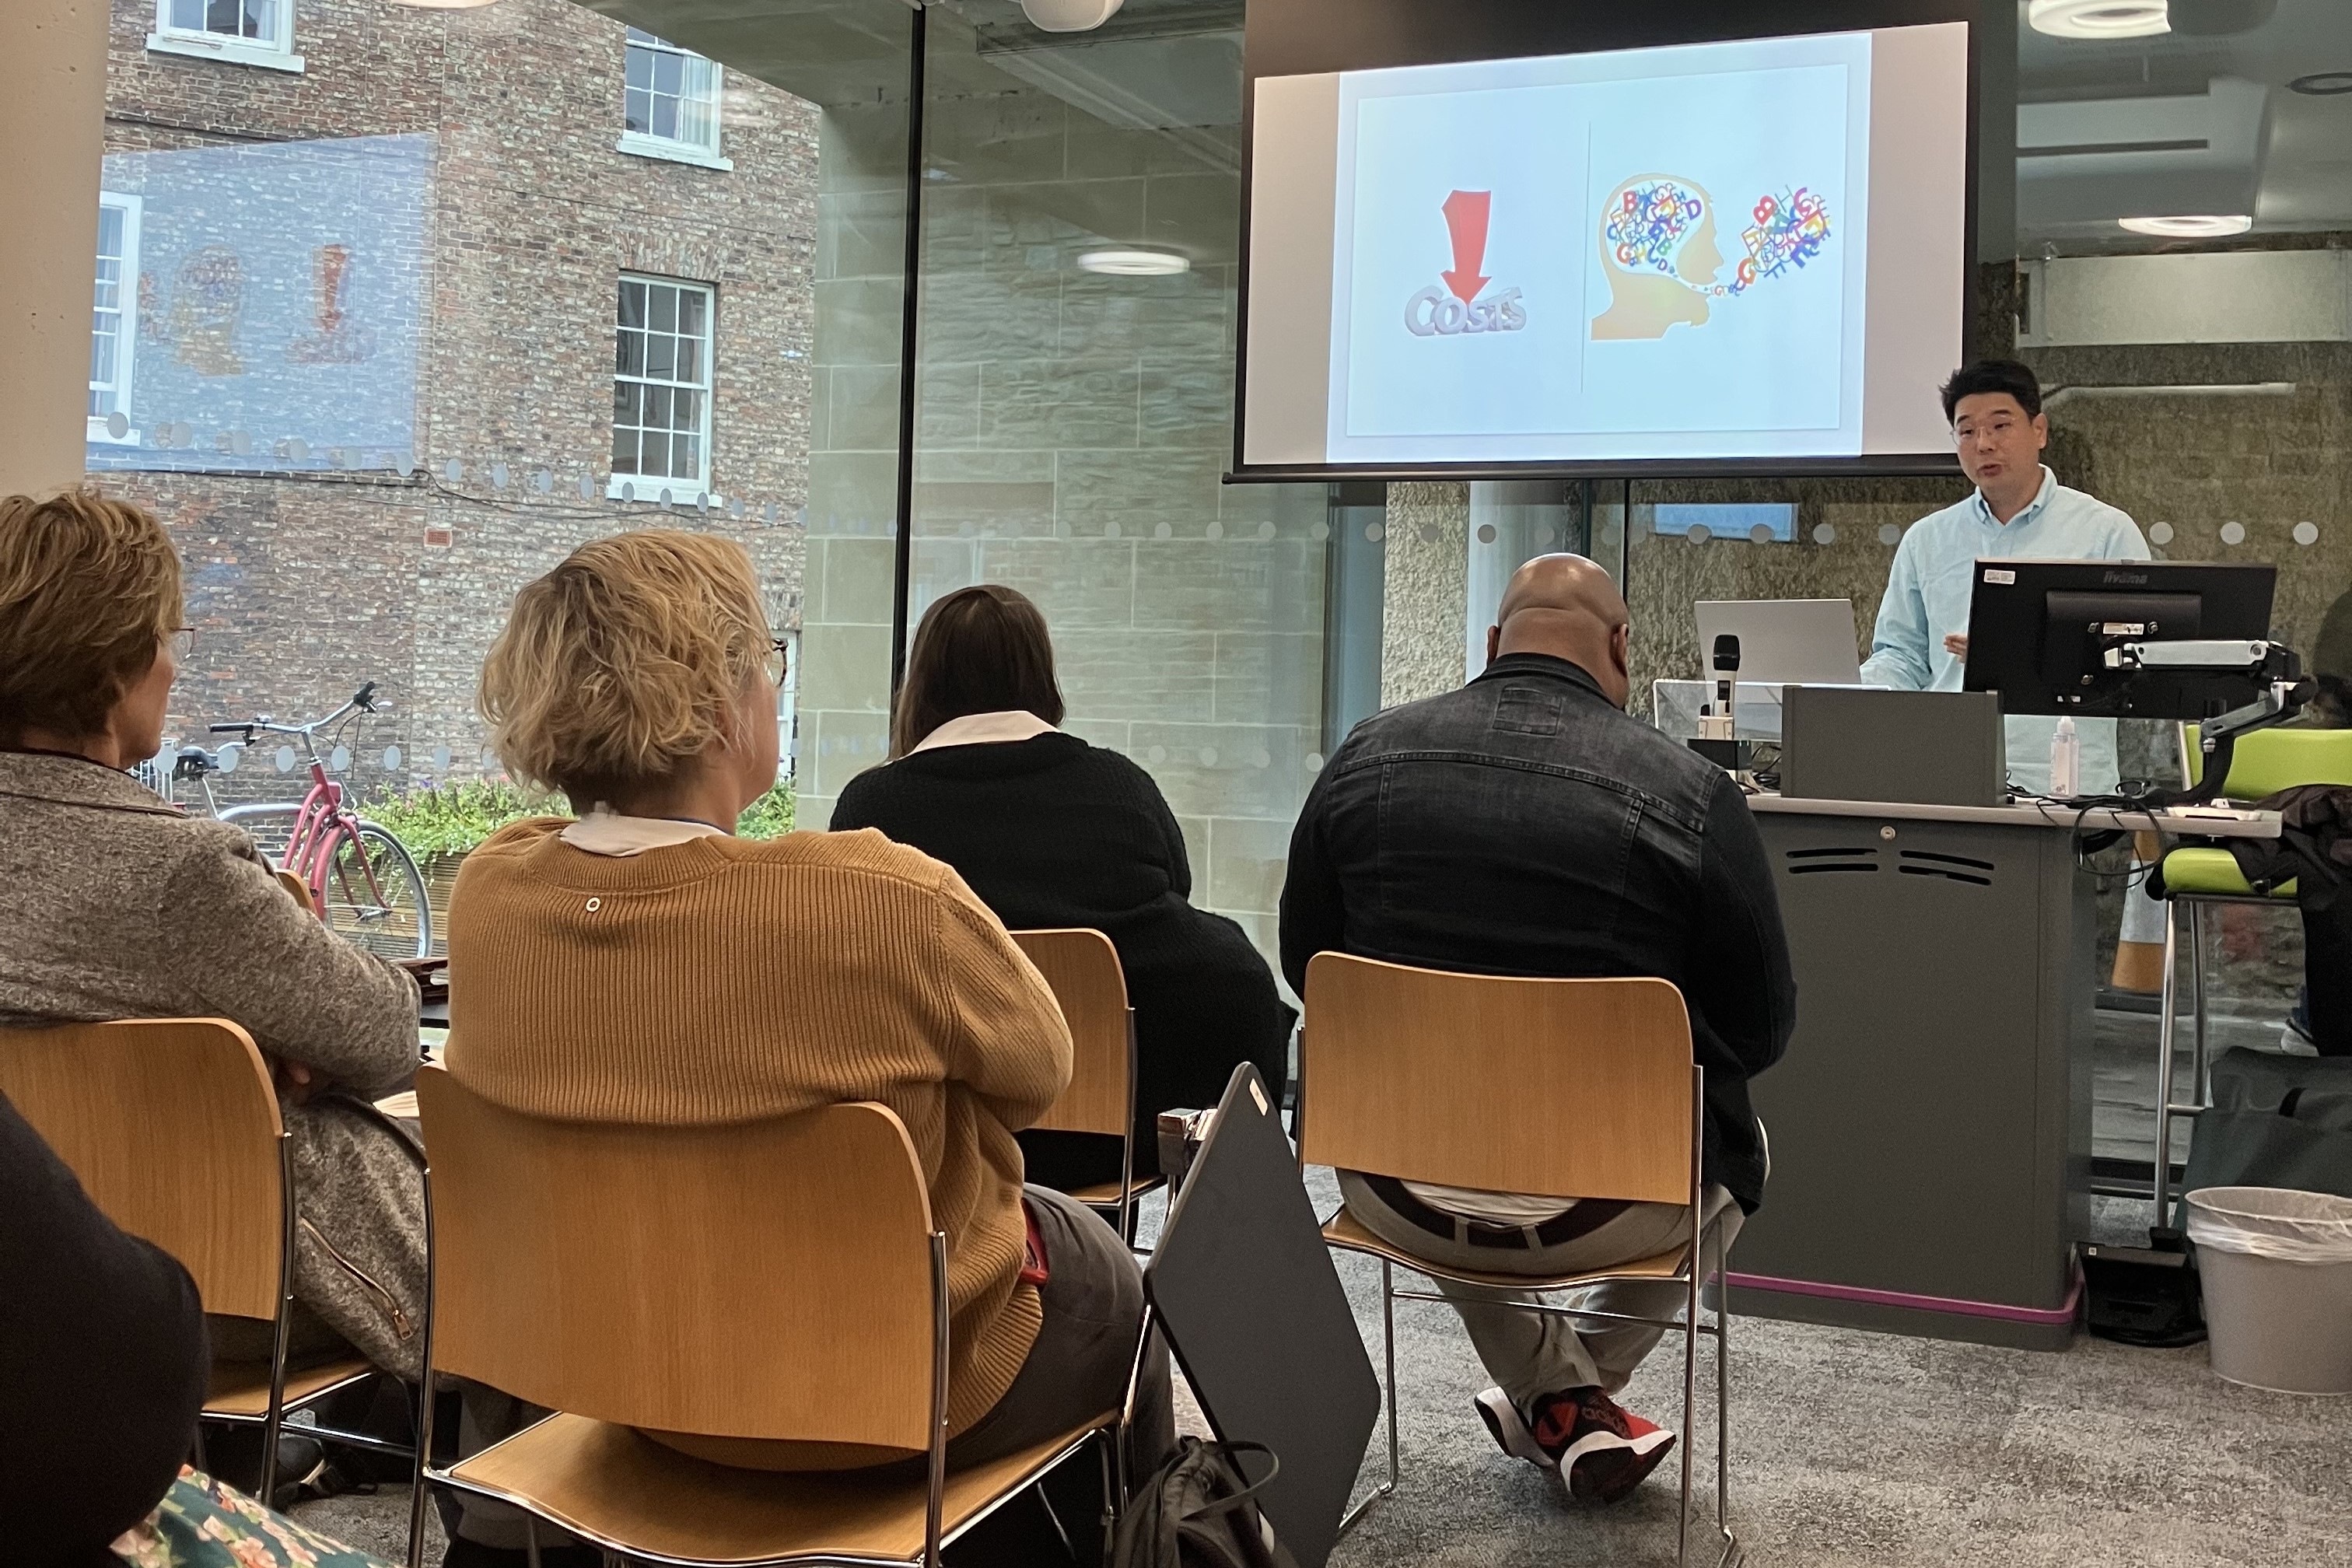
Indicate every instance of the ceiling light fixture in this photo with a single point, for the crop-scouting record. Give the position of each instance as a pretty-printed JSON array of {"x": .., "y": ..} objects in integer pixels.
[
  {"x": 1068, "y": 16},
  {"x": 2321, "y": 84},
  {"x": 2212, "y": 226},
  {"x": 1134, "y": 263},
  {"x": 2099, "y": 18}
]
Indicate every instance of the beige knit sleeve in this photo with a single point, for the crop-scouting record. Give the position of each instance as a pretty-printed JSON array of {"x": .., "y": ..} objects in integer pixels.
[
  {"x": 256, "y": 956},
  {"x": 1009, "y": 1044}
]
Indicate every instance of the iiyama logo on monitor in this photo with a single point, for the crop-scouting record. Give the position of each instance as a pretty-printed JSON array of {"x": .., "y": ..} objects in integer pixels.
[
  {"x": 1456, "y": 307},
  {"x": 2117, "y": 578}
]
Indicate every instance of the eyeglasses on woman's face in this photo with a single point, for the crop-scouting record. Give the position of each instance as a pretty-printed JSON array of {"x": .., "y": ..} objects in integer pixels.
[{"x": 775, "y": 662}]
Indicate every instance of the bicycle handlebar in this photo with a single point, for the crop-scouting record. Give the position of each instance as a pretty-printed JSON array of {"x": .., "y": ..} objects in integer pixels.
[
  {"x": 231, "y": 728},
  {"x": 360, "y": 699}
]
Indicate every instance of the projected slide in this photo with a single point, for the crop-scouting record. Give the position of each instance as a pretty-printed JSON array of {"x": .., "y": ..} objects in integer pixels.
[{"x": 1646, "y": 254}]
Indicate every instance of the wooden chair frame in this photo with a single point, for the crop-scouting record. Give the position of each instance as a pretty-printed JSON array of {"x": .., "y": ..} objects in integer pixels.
[
  {"x": 1690, "y": 1271},
  {"x": 996, "y": 1486},
  {"x": 223, "y": 1266},
  {"x": 1081, "y": 965}
]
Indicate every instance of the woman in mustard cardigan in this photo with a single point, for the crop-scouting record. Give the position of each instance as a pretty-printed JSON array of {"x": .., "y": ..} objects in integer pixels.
[{"x": 643, "y": 964}]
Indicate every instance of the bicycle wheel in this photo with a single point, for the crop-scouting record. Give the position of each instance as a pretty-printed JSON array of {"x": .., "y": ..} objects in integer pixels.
[{"x": 375, "y": 895}]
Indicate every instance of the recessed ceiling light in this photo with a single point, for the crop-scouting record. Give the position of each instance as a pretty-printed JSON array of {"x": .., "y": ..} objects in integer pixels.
[
  {"x": 2206, "y": 226},
  {"x": 1134, "y": 263},
  {"x": 2321, "y": 84},
  {"x": 2099, "y": 18}
]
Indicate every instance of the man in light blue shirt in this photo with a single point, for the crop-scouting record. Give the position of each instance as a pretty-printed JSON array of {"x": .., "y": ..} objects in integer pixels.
[{"x": 2019, "y": 508}]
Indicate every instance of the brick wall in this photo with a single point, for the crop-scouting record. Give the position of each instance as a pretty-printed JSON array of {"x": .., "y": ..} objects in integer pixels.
[{"x": 303, "y": 583}]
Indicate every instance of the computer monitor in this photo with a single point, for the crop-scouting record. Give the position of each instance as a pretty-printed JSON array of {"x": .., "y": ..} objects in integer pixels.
[
  {"x": 1787, "y": 642},
  {"x": 2038, "y": 633}
]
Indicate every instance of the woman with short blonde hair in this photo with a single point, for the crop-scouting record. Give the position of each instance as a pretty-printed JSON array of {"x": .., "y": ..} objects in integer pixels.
[
  {"x": 641, "y": 964},
  {"x": 121, "y": 906}
]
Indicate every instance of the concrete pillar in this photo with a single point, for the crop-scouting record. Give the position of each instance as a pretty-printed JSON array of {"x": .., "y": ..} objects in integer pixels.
[
  {"x": 52, "y": 133},
  {"x": 1427, "y": 590}
]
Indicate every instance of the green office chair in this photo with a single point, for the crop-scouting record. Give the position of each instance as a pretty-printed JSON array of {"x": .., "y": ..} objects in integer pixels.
[{"x": 2265, "y": 762}]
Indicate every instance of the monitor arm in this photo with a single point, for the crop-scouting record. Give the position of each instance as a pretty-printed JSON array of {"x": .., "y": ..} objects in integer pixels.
[{"x": 2284, "y": 692}]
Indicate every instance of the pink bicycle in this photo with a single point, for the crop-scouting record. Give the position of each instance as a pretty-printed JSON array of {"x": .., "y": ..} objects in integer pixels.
[{"x": 363, "y": 882}]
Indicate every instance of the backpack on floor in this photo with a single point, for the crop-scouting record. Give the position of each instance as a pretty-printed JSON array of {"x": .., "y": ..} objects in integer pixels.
[{"x": 1201, "y": 1511}]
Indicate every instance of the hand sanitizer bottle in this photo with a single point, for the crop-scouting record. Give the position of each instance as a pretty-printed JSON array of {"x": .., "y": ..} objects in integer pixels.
[{"x": 2065, "y": 760}]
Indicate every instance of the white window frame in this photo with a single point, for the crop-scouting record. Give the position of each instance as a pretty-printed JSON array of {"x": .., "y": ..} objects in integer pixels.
[
  {"x": 645, "y": 145},
  {"x": 649, "y": 488},
  {"x": 126, "y": 332},
  {"x": 270, "y": 54}
]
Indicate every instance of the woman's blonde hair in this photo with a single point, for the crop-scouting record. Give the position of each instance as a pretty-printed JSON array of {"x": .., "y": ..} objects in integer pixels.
[
  {"x": 88, "y": 588},
  {"x": 624, "y": 663}
]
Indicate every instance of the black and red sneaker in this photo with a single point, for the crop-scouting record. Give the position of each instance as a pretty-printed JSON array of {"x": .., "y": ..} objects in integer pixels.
[{"x": 1604, "y": 1450}]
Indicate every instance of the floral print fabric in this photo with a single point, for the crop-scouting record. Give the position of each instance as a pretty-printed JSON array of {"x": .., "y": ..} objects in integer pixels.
[{"x": 200, "y": 1524}]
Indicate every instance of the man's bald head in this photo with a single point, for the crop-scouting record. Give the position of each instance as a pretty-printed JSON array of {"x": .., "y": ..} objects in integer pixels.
[{"x": 1564, "y": 605}]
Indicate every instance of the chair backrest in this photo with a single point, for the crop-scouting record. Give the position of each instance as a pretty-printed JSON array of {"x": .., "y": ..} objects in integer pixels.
[
  {"x": 173, "y": 1128},
  {"x": 1082, "y": 966},
  {"x": 1572, "y": 1088},
  {"x": 2269, "y": 760},
  {"x": 762, "y": 1280},
  {"x": 299, "y": 890}
]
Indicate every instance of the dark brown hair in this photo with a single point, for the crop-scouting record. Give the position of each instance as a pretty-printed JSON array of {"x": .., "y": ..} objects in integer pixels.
[
  {"x": 981, "y": 649},
  {"x": 1993, "y": 375}
]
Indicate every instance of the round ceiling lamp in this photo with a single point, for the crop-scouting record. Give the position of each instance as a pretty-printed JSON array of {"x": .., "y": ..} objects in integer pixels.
[
  {"x": 2321, "y": 84},
  {"x": 2212, "y": 225},
  {"x": 1134, "y": 263},
  {"x": 2099, "y": 18}
]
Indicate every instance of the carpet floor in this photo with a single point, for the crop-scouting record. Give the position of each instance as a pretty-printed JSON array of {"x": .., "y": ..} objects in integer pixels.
[{"x": 1848, "y": 1449}]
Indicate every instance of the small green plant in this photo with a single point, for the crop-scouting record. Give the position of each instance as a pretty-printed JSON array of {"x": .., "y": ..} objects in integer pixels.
[
  {"x": 770, "y": 816},
  {"x": 453, "y": 818}
]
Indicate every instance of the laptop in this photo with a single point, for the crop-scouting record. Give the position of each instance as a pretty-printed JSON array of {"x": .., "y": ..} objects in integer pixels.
[{"x": 1782, "y": 642}]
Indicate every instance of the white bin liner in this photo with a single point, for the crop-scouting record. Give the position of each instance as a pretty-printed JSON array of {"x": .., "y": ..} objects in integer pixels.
[{"x": 2271, "y": 1222}]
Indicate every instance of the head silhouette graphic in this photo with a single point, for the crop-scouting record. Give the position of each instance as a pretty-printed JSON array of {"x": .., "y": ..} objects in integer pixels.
[{"x": 1658, "y": 251}]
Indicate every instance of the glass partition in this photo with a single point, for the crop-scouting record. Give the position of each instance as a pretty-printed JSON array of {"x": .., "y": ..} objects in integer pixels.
[
  {"x": 1080, "y": 205},
  {"x": 393, "y": 307}
]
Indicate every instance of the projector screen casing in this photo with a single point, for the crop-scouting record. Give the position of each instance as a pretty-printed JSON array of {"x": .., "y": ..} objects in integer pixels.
[{"x": 1302, "y": 38}]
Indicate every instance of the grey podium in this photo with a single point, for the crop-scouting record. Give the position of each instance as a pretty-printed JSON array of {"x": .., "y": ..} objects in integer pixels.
[{"x": 1930, "y": 1126}]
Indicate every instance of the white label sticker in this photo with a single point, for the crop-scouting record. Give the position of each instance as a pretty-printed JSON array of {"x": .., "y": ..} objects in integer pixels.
[
  {"x": 2000, "y": 574},
  {"x": 1259, "y": 1095}
]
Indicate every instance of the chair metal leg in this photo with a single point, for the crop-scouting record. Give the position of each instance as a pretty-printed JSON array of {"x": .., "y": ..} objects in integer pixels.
[
  {"x": 1723, "y": 1402},
  {"x": 1388, "y": 1398},
  {"x": 281, "y": 1339},
  {"x": 1690, "y": 1387},
  {"x": 425, "y": 1400},
  {"x": 1103, "y": 1448},
  {"x": 530, "y": 1539},
  {"x": 2200, "y": 1062},
  {"x": 2165, "y": 1002}
]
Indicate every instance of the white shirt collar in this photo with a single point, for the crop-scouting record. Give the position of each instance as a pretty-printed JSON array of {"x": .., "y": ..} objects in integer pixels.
[
  {"x": 985, "y": 729},
  {"x": 2032, "y": 509},
  {"x": 605, "y": 831}
]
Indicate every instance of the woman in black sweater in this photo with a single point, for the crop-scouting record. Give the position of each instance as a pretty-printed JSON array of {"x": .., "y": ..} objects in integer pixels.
[{"x": 1050, "y": 831}]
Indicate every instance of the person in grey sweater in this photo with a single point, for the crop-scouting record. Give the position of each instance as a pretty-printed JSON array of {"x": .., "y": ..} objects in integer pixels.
[{"x": 114, "y": 905}]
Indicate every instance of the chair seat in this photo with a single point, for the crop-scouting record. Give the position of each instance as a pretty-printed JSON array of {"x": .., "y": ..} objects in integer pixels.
[
  {"x": 240, "y": 1389},
  {"x": 1105, "y": 1194},
  {"x": 610, "y": 1484},
  {"x": 2213, "y": 873},
  {"x": 1346, "y": 1231}
]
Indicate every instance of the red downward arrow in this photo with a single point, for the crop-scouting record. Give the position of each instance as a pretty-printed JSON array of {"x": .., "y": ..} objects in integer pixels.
[{"x": 1466, "y": 216}]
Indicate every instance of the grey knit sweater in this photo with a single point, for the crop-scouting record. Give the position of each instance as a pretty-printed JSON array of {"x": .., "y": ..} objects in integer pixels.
[{"x": 115, "y": 905}]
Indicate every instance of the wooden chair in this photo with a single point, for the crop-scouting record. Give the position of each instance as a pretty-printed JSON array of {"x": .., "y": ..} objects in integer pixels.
[
  {"x": 172, "y": 1127},
  {"x": 1467, "y": 1081},
  {"x": 1082, "y": 966},
  {"x": 760, "y": 1282},
  {"x": 2194, "y": 876}
]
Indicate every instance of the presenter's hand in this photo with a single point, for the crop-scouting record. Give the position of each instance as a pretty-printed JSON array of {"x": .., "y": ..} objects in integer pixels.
[{"x": 1956, "y": 644}]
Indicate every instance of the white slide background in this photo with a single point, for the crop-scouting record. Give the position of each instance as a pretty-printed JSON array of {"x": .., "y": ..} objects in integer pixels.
[{"x": 1777, "y": 369}]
